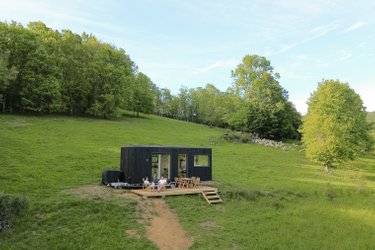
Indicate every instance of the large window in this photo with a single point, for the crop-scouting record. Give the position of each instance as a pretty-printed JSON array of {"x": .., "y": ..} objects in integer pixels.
[
  {"x": 181, "y": 165},
  {"x": 161, "y": 166},
  {"x": 200, "y": 160}
]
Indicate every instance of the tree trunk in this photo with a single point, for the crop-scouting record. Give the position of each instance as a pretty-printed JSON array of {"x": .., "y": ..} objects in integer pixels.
[
  {"x": 4, "y": 104},
  {"x": 10, "y": 105},
  {"x": 327, "y": 168}
]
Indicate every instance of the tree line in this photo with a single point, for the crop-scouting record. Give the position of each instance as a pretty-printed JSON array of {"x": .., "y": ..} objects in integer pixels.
[
  {"x": 49, "y": 71},
  {"x": 255, "y": 103}
]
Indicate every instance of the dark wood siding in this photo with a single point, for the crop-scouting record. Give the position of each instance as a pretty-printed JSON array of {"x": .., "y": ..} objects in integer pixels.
[{"x": 136, "y": 162}]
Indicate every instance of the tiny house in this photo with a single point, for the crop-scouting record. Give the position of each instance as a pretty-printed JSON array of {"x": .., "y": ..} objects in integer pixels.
[{"x": 153, "y": 162}]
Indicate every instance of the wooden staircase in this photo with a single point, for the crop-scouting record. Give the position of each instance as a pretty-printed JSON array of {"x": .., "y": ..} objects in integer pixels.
[{"x": 211, "y": 196}]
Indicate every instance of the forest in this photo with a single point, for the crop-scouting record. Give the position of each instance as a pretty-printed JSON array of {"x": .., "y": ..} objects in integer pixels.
[{"x": 49, "y": 71}]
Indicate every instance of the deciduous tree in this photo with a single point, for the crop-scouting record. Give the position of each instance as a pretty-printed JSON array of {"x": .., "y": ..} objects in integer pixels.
[
  {"x": 269, "y": 113},
  {"x": 7, "y": 75},
  {"x": 335, "y": 127}
]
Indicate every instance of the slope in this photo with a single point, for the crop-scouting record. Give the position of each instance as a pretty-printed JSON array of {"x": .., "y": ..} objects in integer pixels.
[{"x": 273, "y": 198}]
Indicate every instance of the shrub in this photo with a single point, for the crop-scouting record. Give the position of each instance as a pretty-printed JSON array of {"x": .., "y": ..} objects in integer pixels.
[
  {"x": 240, "y": 137},
  {"x": 10, "y": 207}
]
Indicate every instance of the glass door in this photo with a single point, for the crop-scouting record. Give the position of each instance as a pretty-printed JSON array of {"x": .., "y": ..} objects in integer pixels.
[
  {"x": 161, "y": 165},
  {"x": 181, "y": 165}
]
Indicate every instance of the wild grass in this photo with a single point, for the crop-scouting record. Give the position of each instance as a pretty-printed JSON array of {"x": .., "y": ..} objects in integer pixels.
[{"x": 273, "y": 198}]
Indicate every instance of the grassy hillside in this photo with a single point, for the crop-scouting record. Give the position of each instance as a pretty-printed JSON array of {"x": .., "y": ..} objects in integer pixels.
[{"x": 273, "y": 198}]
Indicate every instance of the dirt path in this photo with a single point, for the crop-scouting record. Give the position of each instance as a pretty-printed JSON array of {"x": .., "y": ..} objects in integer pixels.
[
  {"x": 162, "y": 225},
  {"x": 165, "y": 230}
]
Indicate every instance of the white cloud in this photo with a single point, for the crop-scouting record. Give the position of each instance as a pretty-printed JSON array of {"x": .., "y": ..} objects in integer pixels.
[
  {"x": 344, "y": 54},
  {"x": 287, "y": 47},
  {"x": 321, "y": 31},
  {"x": 231, "y": 63},
  {"x": 355, "y": 26},
  {"x": 313, "y": 34}
]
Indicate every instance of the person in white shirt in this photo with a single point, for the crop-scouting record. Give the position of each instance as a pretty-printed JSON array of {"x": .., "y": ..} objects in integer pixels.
[
  {"x": 146, "y": 182},
  {"x": 161, "y": 183}
]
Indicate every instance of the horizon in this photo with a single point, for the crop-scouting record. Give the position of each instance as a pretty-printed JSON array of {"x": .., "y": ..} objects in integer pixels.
[{"x": 194, "y": 43}]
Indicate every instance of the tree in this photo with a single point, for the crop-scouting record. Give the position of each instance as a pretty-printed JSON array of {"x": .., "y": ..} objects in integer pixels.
[
  {"x": 143, "y": 99},
  {"x": 41, "y": 91},
  {"x": 184, "y": 103},
  {"x": 269, "y": 113},
  {"x": 20, "y": 43},
  {"x": 207, "y": 105},
  {"x": 109, "y": 74},
  {"x": 7, "y": 74},
  {"x": 43, "y": 70},
  {"x": 74, "y": 64},
  {"x": 164, "y": 102},
  {"x": 335, "y": 126}
]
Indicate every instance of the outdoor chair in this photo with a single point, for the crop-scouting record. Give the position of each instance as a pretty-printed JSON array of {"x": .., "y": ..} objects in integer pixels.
[
  {"x": 177, "y": 182},
  {"x": 185, "y": 183},
  {"x": 192, "y": 182},
  {"x": 197, "y": 182}
]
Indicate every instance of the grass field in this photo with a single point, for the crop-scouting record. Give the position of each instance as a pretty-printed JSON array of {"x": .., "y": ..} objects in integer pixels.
[{"x": 273, "y": 198}]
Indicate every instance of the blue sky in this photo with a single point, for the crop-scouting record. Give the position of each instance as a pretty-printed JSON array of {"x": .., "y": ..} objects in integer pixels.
[{"x": 196, "y": 42}]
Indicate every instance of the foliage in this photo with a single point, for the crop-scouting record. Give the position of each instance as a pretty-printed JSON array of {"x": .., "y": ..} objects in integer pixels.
[
  {"x": 371, "y": 117},
  {"x": 269, "y": 113},
  {"x": 143, "y": 95},
  {"x": 240, "y": 137},
  {"x": 10, "y": 208},
  {"x": 255, "y": 103},
  {"x": 7, "y": 74},
  {"x": 335, "y": 126},
  {"x": 47, "y": 71}
]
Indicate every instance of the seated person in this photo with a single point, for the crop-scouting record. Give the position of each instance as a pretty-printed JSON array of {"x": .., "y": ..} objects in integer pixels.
[
  {"x": 152, "y": 186},
  {"x": 146, "y": 182},
  {"x": 161, "y": 183}
]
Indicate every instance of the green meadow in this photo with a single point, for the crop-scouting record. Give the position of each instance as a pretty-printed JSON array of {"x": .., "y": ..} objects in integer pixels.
[{"x": 273, "y": 199}]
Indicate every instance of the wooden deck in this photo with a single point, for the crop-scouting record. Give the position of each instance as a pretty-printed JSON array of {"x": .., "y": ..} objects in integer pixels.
[{"x": 172, "y": 191}]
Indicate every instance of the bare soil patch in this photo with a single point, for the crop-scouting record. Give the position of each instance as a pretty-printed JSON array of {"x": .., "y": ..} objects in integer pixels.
[
  {"x": 165, "y": 230},
  {"x": 162, "y": 225}
]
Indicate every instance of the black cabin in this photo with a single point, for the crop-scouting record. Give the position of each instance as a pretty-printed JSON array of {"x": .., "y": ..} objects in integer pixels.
[{"x": 138, "y": 162}]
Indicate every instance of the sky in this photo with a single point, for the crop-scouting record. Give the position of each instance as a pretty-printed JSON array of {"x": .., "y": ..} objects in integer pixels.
[{"x": 194, "y": 42}]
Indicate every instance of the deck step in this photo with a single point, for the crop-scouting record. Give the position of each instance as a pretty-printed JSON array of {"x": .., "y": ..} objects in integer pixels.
[
  {"x": 216, "y": 201},
  {"x": 212, "y": 197}
]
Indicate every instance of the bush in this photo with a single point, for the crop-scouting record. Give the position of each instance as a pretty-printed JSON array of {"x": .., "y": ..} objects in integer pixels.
[
  {"x": 239, "y": 137},
  {"x": 10, "y": 207}
]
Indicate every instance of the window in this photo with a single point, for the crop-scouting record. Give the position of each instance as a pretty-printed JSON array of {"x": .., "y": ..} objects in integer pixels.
[
  {"x": 200, "y": 160},
  {"x": 181, "y": 165},
  {"x": 161, "y": 165}
]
